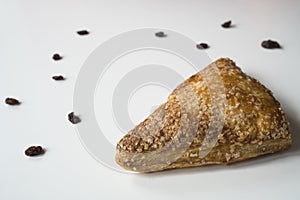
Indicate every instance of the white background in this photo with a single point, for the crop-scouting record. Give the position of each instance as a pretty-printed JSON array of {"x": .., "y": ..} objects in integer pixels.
[{"x": 31, "y": 31}]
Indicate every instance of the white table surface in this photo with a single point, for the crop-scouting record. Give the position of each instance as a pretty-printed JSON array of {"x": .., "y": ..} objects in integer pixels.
[{"x": 31, "y": 31}]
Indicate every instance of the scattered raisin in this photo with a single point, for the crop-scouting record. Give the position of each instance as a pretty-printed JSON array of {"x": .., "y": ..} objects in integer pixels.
[
  {"x": 270, "y": 44},
  {"x": 34, "y": 151},
  {"x": 12, "y": 101},
  {"x": 83, "y": 32},
  {"x": 202, "y": 46},
  {"x": 160, "y": 34},
  {"x": 56, "y": 57},
  {"x": 58, "y": 78},
  {"x": 73, "y": 118},
  {"x": 226, "y": 24}
]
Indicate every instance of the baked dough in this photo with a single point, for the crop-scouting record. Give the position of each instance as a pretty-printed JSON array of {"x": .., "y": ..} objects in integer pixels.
[{"x": 218, "y": 116}]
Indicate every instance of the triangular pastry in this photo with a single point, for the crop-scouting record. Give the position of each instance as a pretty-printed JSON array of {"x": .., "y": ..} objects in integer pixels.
[{"x": 220, "y": 115}]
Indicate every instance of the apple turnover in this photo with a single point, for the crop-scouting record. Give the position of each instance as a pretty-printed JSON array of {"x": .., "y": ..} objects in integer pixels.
[{"x": 220, "y": 115}]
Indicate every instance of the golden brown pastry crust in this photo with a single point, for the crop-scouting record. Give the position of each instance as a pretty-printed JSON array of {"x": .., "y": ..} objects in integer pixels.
[{"x": 254, "y": 125}]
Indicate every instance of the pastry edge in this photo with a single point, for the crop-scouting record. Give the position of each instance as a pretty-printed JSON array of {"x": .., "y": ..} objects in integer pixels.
[{"x": 268, "y": 147}]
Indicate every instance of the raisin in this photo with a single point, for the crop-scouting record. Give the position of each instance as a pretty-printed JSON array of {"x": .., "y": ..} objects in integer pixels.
[
  {"x": 73, "y": 118},
  {"x": 83, "y": 32},
  {"x": 160, "y": 34},
  {"x": 56, "y": 57},
  {"x": 34, "y": 151},
  {"x": 202, "y": 46},
  {"x": 12, "y": 101},
  {"x": 58, "y": 78},
  {"x": 270, "y": 44},
  {"x": 226, "y": 24}
]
